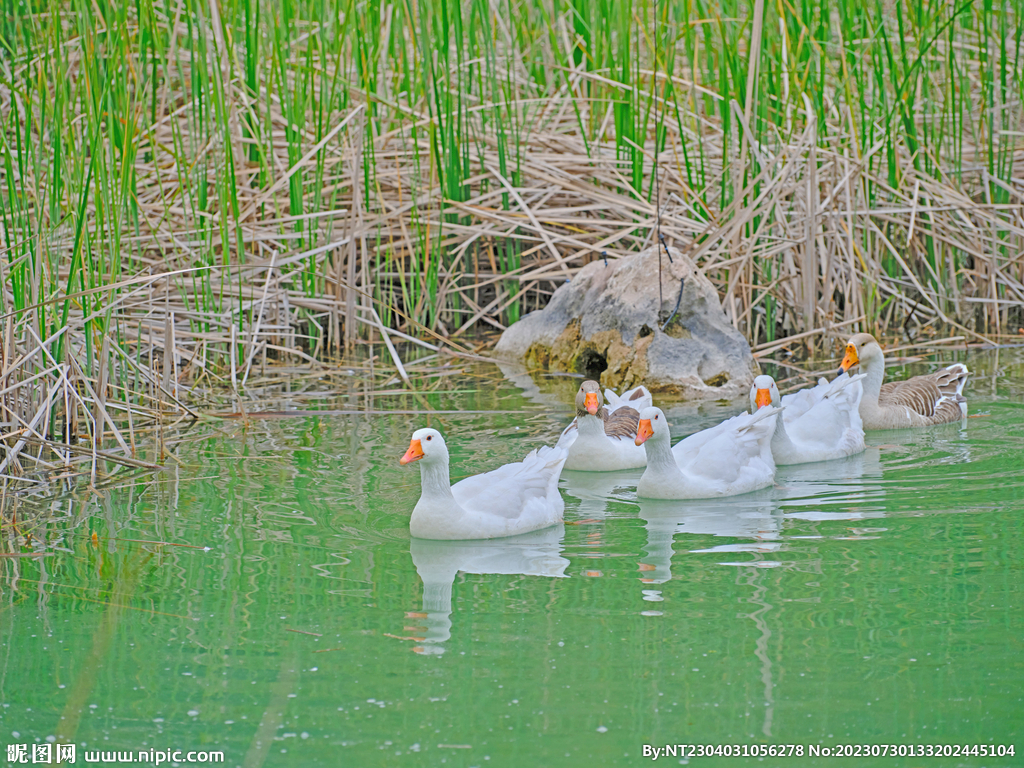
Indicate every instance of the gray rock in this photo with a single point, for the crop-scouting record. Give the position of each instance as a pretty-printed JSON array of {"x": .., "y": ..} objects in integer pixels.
[{"x": 607, "y": 321}]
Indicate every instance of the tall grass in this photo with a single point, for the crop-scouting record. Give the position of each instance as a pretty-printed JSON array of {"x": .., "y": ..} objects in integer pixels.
[{"x": 187, "y": 187}]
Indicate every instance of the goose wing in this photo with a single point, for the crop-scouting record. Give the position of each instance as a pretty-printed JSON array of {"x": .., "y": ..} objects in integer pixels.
[
  {"x": 739, "y": 430},
  {"x": 739, "y": 449},
  {"x": 506, "y": 490},
  {"x": 935, "y": 396},
  {"x": 800, "y": 402},
  {"x": 622, "y": 422}
]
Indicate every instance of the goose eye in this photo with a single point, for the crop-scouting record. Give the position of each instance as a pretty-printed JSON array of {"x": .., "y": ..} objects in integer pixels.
[{"x": 430, "y": 437}]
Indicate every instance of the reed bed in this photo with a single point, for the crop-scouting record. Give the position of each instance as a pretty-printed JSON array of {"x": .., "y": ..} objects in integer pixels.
[{"x": 189, "y": 190}]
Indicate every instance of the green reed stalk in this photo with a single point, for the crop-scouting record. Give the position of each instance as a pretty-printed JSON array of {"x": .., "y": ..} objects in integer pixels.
[{"x": 148, "y": 136}]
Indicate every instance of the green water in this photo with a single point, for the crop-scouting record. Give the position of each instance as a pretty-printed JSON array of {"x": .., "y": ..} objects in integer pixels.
[{"x": 875, "y": 600}]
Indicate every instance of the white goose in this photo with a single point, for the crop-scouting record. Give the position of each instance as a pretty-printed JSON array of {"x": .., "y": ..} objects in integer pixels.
[
  {"x": 606, "y": 435},
  {"x": 825, "y": 422},
  {"x": 731, "y": 458},
  {"x": 512, "y": 499},
  {"x": 934, "y": 398}
]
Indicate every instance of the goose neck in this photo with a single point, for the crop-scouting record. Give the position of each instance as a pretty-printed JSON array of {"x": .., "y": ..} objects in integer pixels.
[
  {"x": 590, "y": 426},
  {"x": 434, "y": 480},
  {"x": 659, "y": 455},
  {"x": 781, "y": 438},
  {"x": 874, "y": 373}
]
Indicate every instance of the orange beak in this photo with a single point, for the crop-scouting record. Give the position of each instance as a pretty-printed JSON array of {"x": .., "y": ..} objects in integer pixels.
[
  {"x": 644, "y": 431},
  {"x": 763, "y": 398},
  {"x": 850, "y": 359},
  {"x": 590, "y": 403},
  {"x": 415, "y": 452}
]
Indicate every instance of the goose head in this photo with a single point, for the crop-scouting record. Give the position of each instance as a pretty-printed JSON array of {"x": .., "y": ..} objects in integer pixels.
[
  {"x": 764, "y": 392},
  {"x": 652, "y": 424},
  {"x": 426, "y": 444},
  {"x": 861, "y": 348},
  {"x": 589, "y": 398}
]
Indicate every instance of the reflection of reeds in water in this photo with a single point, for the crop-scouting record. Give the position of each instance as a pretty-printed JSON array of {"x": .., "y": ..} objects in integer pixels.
[
  {"x": 439, "y": 562},
  {"x": 755, "y": 578}
]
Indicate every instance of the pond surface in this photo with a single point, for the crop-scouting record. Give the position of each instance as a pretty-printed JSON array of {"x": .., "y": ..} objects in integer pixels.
[{"x": 289, "y": 620}]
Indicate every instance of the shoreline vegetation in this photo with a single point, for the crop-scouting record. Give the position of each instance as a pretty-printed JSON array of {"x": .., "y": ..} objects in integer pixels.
[{"x": 194, "y": 192}]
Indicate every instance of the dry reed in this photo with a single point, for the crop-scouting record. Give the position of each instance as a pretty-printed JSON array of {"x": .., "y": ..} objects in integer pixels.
[{"x": 173, "y": 222}]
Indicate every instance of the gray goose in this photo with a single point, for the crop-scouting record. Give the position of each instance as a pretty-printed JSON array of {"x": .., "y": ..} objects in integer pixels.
[
  {"x": 606, "y": 438},
  {"x": 934, "y": 398}
]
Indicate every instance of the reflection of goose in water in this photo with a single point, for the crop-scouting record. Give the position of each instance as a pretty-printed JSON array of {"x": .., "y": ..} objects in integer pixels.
[
  {"x": 843, "y": 489},
  {"x": 915, "y": 449},
  {"x": 754, "y": 516},
  {"x": 595, "y": 489},
  {"x": 438, "y": 562},
  {"x": 518, "y": 375}
]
